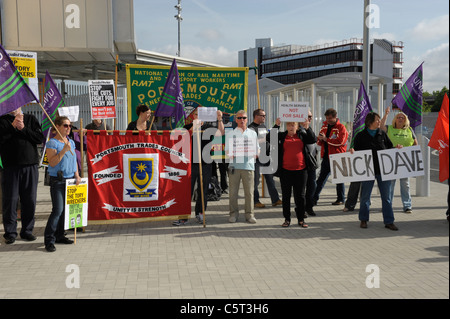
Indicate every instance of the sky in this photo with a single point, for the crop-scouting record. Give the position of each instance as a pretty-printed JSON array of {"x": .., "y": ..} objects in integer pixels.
[{"x": 215, "y": 31}]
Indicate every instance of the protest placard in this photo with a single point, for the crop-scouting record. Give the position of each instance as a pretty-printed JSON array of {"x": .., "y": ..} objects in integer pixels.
[
  {"x": 403, "y": 162},
  {"x": 102, "y": 99},
  {"x": 240, "y": 146},
  {"x": 71, "y": 112},
  {"x": 76, "y": 205},
  {"x": 293, "y": 111},
  {"x": 207, "y": 114},
  {"x": 348, "y": 167}
]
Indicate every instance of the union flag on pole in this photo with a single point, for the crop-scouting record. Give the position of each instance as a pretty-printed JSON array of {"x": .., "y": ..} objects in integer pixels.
[
  {"x": 52, "y": 101},
  {"x": 363, "y": 108},
  {"x": 409, "y": 98},
  {"x": 14, "y": 91},
  {"x": 171, "y": 103},
  {"x": 440, "y": 140}
]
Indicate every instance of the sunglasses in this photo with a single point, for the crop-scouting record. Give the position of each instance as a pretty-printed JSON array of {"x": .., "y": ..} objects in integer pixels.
[
  {"x": 67, "y": 125},
  {"x": 263, "y": 115},
  {"x": 241, "y": 117},
  {"x": 310, "y": 117}
]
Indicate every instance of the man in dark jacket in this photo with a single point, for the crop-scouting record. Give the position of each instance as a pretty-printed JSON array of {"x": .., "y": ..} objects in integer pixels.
[
  {"x": 259, "y": 118},
  {"x": 19, "y": 136}
]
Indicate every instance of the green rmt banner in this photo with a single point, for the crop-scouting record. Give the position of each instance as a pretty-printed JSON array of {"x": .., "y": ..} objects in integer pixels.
[{"x": 224, "y": 88}]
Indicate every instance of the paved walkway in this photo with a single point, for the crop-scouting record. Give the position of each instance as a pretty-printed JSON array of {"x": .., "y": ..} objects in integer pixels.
[{"x": 333, "y": 258}]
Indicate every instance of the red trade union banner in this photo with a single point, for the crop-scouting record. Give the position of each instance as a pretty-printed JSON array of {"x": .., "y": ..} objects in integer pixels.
[{"x": 138, "y": 176}]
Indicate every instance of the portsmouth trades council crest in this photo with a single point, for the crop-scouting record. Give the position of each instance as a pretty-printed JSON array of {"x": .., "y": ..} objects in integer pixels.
[{"x": 141, "y": 177}]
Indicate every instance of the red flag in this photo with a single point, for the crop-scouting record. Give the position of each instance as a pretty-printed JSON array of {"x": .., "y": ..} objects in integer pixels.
[{"x": 439, "y": 140}]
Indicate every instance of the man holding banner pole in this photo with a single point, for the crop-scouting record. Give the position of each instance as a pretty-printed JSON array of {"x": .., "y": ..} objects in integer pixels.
[{"x": 202, "y": 135}]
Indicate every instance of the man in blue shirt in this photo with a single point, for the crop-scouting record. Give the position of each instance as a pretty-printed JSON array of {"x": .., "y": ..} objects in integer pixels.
[{"x": 241, "y": 146}]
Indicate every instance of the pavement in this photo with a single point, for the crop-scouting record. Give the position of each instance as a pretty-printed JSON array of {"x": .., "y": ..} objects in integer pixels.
[{"x": 332, "y": 259}]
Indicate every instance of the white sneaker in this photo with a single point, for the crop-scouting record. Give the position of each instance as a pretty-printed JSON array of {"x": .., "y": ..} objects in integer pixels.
[
  {"x": 251, "y": 220},
  {"x": 232, "y": 219},
  {"x": 199, "y": 218}
]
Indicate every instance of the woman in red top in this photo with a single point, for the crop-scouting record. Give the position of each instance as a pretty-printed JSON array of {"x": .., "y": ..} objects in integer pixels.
[{"x": 292, "y": 169}]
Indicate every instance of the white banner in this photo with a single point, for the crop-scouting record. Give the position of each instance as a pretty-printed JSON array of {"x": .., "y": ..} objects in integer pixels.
[
  {"x": 356, "y": 167},
  {"x": 293, "y": 111},
  {"x": 403, "y": 162}
]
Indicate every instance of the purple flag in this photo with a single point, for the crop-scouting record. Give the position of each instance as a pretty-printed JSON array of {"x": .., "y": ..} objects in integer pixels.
[
  {"x": 409, "y": 98},
  {"x": 14, "y": 91},
  {"x": 363, "y": 108},
  {"x": 171, "y": 102},
  {"x": 52, "y": 101}
]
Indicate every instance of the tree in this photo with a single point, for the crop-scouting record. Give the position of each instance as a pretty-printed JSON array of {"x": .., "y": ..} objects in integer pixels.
[{"x": 439, "y": 96}]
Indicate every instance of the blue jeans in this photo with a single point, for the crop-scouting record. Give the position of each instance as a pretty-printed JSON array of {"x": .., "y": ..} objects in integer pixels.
[
  {"x": 404, "y": 193},
  {"x": 366, "y": 191},
  {"x": 270, "y": 186},
  {"x": 322, "y": 179},
  {"x": 55, "y": 224}
]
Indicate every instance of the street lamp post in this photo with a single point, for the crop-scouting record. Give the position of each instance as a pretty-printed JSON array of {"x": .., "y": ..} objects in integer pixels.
[{"x": 179, "y": 18}]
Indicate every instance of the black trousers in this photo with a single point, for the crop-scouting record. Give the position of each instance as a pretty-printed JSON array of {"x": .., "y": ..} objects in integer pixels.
[
  {"x": 19, "y": 182},
  {"x": 293, "y": 180},
  {"x": 195, "y": 177}
]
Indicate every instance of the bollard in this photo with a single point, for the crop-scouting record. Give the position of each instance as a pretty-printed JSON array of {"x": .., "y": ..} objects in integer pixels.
[{"x": 423, "y": 182}]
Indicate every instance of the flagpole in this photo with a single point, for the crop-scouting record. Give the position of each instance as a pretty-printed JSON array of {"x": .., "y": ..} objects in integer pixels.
[
  {"x": 201, "y": 174},
  {"x": 259, "y": 107}
]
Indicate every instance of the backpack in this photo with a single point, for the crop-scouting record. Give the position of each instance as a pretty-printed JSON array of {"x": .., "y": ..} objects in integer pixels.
[{"x": 214, "y": 190}]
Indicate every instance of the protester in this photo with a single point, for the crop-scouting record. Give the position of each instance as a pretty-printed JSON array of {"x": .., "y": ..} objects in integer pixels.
[
  {"x": 352, "y": 196},
  {"x": 97, "y": 125},
  {"x": 242, "y": 167},
  {"x": 62, "y": 166},
  {"x": 311, "y": 166},
  {"x": 143, "y": 121},
  {"x": 205, "y": 138},
  {"x": 19, "y": 136},
  {"x": 259, "y": 118},
  {"x": 373, "y": 138},
  {"x": 292, "y": 169},
  {"x": 400, "y": 133},
  {"x": 333, "y": 139}
]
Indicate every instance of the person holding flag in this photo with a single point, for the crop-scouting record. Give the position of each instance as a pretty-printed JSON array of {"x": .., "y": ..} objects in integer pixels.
[
  {"x": 19, "y": 136},
  {"x": 440, "y": 141},
  {"x": 400, "y": 133},
  {"x": 363, "y": 107}
]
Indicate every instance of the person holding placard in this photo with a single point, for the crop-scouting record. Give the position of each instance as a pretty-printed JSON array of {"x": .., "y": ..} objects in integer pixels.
[
  {"x": 373, "y": 138},
  {"x": 259, "y": 118},
  {"x": 400, "y": 133},
  {"x": 62, "y": 165},
  {"x": 333, "y": 139},
  {"x": 143, "y": 122},
  {"x": 292, "y": 168},
  {"x": 242, "y": 148}
]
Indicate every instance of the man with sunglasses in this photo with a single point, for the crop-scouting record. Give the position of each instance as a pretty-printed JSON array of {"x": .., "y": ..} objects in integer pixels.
[
  {"x": 19, "y": 136},
  {"x": 241, "y": 146},
  {"x": 259, "y": 118}
]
